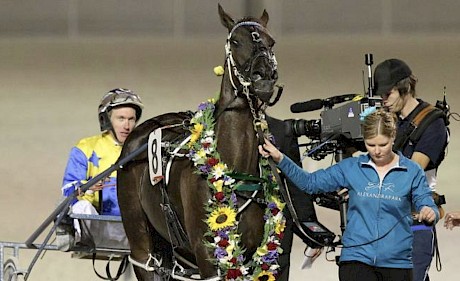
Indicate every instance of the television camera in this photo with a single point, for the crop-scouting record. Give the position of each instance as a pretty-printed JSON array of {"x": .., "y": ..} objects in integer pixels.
[
  {"x": 338, "y": 132},
  {"x": 338, "y": 128}
]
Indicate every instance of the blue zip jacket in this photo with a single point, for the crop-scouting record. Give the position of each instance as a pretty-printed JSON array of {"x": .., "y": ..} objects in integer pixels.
[{"x": 378, "y": 229}]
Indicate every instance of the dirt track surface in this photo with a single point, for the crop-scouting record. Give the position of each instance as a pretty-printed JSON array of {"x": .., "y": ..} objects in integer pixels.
[{"x": 51, "y": 89}]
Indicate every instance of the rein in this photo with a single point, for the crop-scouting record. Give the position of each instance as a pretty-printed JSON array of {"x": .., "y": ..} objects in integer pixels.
[{"x": 283, "y": 187}]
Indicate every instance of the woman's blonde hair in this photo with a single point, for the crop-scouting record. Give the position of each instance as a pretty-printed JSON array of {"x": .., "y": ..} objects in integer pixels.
[{"x": 379, "y": 122}]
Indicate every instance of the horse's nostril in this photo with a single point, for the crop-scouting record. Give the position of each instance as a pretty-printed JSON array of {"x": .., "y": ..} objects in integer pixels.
[{"x": 257, "y": 76}]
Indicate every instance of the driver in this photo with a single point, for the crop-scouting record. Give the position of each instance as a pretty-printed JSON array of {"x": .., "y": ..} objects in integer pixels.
[{"x": 119, "y": 111}]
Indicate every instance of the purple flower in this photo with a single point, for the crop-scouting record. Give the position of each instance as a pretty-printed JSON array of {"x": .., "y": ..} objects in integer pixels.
[
  {"x": 233, "y": 198},
  {"x": 220, "y": 253},
  {"x": 203, "y": 106},
  {"x": 206, "y": 105},
  {"x": 205, "y": 169},
  {"x": 272, "y": 205},
  {"x": 211, "y": 106},
  {"x": 270, "y": 257},
  {"x": 222, "y": 234}
]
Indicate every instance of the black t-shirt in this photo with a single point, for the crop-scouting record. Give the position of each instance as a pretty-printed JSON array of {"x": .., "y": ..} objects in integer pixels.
[{"x": 431, "y": 143}]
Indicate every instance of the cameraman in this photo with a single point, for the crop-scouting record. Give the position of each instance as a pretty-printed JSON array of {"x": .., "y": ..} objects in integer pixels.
[{"x": 395, "y": 83}]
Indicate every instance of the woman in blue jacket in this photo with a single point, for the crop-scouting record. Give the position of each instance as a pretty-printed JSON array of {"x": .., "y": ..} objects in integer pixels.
[{"x": 382, "y": 186}]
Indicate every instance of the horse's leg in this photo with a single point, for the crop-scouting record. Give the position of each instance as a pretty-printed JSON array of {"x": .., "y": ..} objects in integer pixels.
[
  {"x": 194, "y": 195},
  {"x": 136, "y": 225},
  {"x": 251, "y": 227}
]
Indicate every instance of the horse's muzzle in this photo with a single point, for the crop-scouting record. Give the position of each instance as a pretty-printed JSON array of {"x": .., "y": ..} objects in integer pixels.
[{"x": 263, "y": 89}]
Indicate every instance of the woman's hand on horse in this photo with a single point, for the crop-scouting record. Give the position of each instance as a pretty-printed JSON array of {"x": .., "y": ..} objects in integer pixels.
[{"x": 268, "y": 149}]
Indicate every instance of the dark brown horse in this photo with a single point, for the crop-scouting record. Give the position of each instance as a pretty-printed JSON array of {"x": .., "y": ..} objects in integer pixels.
[{"x": 247, "y": 85}]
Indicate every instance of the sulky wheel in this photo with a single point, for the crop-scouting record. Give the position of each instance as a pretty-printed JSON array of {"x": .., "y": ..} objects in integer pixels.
[{"x": 10, "y": 270}]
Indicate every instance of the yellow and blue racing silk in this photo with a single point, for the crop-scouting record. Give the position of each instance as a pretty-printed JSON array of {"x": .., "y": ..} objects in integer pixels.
[{"x": 88, "y": 158}]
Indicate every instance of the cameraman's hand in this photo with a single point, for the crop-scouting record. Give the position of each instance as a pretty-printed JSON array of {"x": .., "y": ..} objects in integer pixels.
[{"x": 268, "y": 149}]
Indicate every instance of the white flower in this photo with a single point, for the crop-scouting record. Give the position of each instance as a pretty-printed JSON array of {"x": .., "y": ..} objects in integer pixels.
[
  {"x": 274, "y": 266},
  {"x": 209, "y": 133}
]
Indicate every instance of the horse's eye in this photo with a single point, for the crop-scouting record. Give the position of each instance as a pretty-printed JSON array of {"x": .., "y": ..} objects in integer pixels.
[{"x": 235, "y": 43}]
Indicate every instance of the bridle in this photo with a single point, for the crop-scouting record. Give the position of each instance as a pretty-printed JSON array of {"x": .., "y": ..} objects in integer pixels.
[{"x": 242, "y": 73}]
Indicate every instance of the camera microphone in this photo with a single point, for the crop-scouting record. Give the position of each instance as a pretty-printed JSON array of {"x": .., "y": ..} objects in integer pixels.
[{"x": 306, "y": 106}]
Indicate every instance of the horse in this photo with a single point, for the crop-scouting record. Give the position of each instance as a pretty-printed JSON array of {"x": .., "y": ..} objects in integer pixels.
[{"x": 248, "y": 84}]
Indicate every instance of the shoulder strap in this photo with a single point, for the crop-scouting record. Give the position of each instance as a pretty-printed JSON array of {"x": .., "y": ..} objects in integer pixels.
[
  {"x": 402, "y": 137},
  {"x": 421, "y": 118}
]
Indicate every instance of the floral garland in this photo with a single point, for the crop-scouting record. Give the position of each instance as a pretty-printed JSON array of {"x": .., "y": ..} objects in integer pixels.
[{"x": 222, "y": 207}]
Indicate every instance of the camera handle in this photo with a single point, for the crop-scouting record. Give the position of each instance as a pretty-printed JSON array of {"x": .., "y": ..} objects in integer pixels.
[{"x": 369, "y": 61}]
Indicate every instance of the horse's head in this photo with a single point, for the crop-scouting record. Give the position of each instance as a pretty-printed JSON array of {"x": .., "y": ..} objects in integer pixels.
[{"x": 249, "y": 56}]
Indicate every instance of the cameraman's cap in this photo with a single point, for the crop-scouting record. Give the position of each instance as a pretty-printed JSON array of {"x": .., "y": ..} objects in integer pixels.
[{"x": 388, "y": 73}]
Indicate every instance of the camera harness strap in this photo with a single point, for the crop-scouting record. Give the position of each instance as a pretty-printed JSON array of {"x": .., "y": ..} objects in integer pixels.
[{"x": 423, "y": 116}]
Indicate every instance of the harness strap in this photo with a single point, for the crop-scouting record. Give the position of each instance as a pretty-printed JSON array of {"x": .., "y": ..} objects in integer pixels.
[
  {"x": 422, "y": 114},
  {"x": 422, "y": 118},
  {"x": 436, "y": 251},
  {"x": 145, "y": 266},
  {"x": 121, "y": 269}
]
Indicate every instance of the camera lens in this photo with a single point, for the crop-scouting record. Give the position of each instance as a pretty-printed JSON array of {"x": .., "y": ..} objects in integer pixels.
[{"x": 301, "y": 127}]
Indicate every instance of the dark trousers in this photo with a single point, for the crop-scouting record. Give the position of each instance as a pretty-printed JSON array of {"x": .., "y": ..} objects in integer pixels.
[
  {"x": 422, "y": 253},
  {"x": 358, "y": 271}
]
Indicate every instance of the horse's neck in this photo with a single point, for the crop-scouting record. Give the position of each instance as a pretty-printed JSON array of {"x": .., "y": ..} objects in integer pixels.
[{"x": 236, "y": 138}]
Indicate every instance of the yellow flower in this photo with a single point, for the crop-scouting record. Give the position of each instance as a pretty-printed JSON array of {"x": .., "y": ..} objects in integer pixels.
[
  {"x": 265, "y": 275},
  {"x": 279, "y": 227},
  {"x": 201, "y": 153},
  {"x": 280, "y": 205},
  {"x": 262, "y": 251},
  {"x": 218, "y": 185},
  {"x": 219, "y": 170},
  {"x": 230, "y": 248},
  {"x": 219, "y": 70},
  {"x": 221, "y": 218},
  {"x": 196, "y": 132}
]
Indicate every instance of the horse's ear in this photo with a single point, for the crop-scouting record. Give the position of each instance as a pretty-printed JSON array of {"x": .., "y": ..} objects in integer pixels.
[
  {"x": 226, "y": 19},
  {"x": 264, "y": 18}
]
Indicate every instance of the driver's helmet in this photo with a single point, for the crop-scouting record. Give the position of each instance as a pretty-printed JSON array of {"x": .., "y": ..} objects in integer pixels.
[{"x": 118, "y": 97}]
